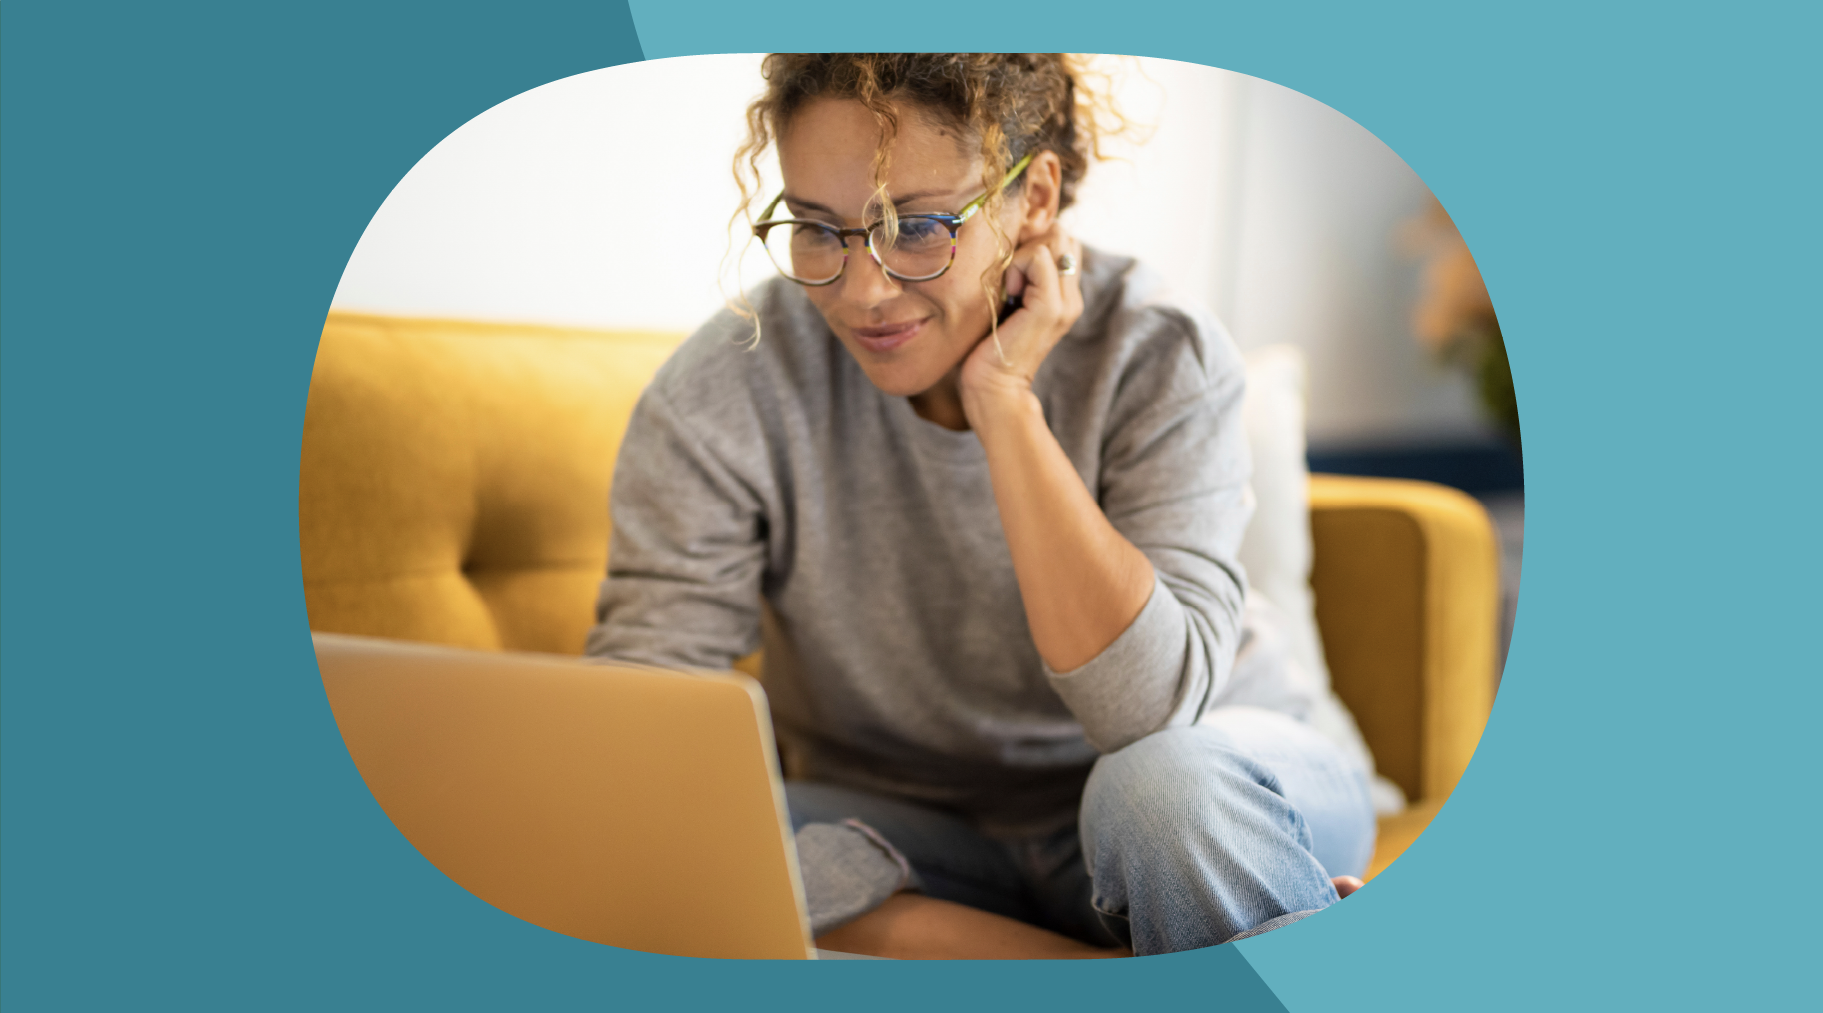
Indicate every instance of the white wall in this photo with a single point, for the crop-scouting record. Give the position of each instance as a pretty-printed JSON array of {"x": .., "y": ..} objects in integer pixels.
[
  {"x": 600, "y": 200},
  {"x": 603, "y": 200},
  {"x": 1317, "y": 209}
]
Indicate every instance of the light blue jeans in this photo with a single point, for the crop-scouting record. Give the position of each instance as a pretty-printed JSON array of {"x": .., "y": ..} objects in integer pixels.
[{"x": 1187, "y": 838}]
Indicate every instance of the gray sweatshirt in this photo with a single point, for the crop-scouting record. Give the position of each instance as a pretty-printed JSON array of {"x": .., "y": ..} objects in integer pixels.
[{"x": 776, "y": 496}]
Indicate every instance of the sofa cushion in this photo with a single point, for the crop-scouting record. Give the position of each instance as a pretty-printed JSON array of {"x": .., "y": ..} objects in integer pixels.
[{"x": 453, "y": 485}]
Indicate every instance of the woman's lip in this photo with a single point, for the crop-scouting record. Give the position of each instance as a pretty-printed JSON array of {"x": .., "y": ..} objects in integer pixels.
[{"x": 888, "y": 337}]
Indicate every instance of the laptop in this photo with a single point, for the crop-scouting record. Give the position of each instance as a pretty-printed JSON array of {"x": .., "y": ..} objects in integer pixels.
[{"x": 631, "y": 806}]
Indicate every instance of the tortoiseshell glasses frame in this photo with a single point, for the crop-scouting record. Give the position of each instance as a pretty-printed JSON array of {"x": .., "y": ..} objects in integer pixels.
[{"x": 816, "y": 253}]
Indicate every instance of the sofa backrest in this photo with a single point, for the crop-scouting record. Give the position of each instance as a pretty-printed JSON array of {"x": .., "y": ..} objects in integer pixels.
[{"x": 453, "y": 486}]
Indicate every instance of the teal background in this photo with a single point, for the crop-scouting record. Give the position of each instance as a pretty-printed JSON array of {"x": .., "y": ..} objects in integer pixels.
[{"x": 180, "y": 186}]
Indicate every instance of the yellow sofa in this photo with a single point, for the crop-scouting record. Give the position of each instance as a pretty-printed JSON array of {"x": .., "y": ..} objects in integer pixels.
[{"x": 454, "y": 489}]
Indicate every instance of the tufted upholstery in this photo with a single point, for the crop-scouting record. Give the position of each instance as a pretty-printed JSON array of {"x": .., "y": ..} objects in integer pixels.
[
  {"x": 454, "y": 480},
  {"x": 454, "y": 489}
]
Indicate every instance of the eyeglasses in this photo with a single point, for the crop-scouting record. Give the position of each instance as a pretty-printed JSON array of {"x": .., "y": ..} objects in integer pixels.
[{"x": 814, "y": 253}]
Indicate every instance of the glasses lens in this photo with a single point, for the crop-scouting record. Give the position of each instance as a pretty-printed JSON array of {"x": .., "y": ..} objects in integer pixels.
[
  {"x": 922, "y": 249},
  {"x": 804, "y": 252}
]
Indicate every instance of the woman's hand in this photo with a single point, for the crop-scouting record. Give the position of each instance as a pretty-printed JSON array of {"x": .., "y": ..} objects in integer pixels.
[{"x": 1051, "y": 303}]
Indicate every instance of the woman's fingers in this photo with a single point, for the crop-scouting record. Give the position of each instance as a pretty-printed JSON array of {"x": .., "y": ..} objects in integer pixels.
[
  {"x": 1059, "y": 294},
  {"x": 1041, "y": 274},
  {"x": 1050, "y": 301}
]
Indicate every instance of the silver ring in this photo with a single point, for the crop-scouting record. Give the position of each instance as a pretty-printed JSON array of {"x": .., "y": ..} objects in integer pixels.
[{"x": 1066, "y": 264}]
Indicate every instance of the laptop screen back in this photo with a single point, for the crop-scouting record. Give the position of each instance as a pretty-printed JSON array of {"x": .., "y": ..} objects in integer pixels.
[{"x": 633, "y": 807}]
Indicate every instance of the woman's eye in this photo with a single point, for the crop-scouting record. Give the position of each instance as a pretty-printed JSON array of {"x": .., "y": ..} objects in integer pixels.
[
  {"x": 921, "y": 230},
  {"x": 811, "y": 235}
]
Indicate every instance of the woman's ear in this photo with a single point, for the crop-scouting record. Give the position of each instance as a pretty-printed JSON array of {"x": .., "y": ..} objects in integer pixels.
[{"x": 1042, "y": 193}]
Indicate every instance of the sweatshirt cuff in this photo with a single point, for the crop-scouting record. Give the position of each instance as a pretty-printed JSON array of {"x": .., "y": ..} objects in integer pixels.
[{"x": 1131, "y": 688}]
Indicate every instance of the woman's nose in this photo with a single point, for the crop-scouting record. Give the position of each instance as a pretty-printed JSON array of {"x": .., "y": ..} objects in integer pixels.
[{"x": 865, "y": 282}]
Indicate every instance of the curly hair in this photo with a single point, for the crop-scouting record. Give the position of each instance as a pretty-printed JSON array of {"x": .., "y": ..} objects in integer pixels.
[{"x": 1008, "y": 104}]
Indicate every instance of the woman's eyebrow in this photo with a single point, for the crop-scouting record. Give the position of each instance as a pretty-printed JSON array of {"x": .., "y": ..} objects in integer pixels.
[
  {"x": 810, "y": 205},
  {"x": 921, "y": 195}
]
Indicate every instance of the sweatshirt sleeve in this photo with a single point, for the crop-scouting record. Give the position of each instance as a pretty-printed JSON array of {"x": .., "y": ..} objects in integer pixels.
[
  {"x": 686, "y": 553},
  {"x": 1174, "y": 481}
]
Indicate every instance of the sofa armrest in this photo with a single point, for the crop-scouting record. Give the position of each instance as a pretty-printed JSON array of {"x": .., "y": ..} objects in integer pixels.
[{"x": 1406, "y": 580}]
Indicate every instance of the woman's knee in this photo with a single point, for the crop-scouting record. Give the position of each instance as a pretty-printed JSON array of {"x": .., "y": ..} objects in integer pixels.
[
  {"x": 1181, "y": 781},
  {"x": 1225, "y": 790},
  {"x": 1170, "y": 765}
]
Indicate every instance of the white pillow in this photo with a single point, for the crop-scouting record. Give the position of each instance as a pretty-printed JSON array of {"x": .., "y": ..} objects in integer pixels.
[{"x": 1276, "y": 550}]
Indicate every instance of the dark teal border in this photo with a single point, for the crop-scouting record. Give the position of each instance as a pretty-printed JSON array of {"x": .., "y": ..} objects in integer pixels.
[{"x": 180, "y": 185}]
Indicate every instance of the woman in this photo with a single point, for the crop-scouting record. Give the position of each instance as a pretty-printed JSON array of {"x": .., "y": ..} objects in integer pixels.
[{"x": 978, "y": 491}]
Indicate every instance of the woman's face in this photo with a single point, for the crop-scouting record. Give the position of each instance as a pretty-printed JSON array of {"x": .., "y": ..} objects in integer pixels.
[{"x": 906, "y": 335}]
